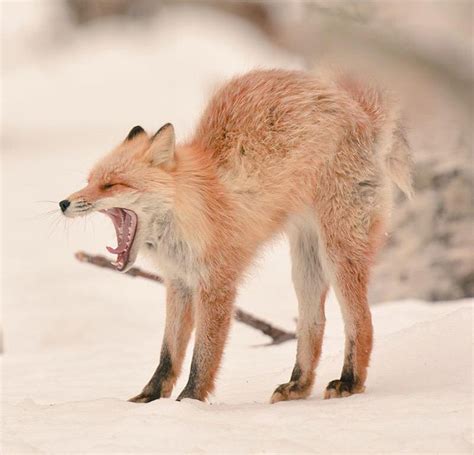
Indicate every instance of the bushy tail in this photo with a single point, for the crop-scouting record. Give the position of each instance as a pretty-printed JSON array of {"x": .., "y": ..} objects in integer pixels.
[
  {"x": 383, "y": 112},
  {"x": 399, "y": 161}
]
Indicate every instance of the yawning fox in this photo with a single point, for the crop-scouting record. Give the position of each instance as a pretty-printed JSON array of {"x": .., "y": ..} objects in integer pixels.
[{"x": 275, "y": 150}]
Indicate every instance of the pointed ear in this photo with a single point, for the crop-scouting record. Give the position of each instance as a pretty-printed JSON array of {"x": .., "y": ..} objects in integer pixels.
[
  {"x": 135, "y": 131},
  {"x": 162, "y": 145}
]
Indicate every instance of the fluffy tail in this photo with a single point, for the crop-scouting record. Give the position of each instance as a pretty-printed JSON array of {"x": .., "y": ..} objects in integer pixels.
[
  {"x": 383, "y": 112},
  {"x": 399, "y": 161}
]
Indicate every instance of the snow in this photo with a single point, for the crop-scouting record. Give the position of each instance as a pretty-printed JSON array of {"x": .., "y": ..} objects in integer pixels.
[
  {"x": 79, "y": 341},
  {"x": 71, "y": 397}
]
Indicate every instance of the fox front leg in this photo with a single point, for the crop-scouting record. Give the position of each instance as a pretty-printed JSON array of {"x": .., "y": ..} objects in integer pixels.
[
  {"x": 179, "y": 325},
  {"x": 213, "y": 315}
]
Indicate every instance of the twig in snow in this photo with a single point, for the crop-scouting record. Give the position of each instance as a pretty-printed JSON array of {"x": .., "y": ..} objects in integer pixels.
[
  {"x": 277, "y": 335},
  {"x": 102, "y": 261}
]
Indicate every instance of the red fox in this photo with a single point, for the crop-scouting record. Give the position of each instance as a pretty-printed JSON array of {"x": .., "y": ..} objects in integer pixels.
[{"x": 275, "y": 151}]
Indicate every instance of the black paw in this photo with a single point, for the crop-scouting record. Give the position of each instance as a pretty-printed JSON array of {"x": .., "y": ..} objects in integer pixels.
[
  {"x": 145, "y": 397},
  {"x": 292, "y": 390},
  {"x": 339, "y": 388},
  {"x": 192, "y": 394}
]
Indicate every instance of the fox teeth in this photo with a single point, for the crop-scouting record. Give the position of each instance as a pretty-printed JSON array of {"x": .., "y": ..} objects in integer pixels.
[{"x": 125, "y": 223}]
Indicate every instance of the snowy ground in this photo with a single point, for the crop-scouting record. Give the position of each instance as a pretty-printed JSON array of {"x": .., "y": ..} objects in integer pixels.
[{"x": 79, "y": 341}]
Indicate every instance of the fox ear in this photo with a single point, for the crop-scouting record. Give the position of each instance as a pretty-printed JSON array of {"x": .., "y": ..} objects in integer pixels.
[
  {"x": 163, "y": 144},
  {"x": 135, "y": 131}
]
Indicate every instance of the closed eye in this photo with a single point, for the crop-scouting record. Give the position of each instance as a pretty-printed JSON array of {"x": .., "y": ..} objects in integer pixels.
[{"x": 108, "y": 186}]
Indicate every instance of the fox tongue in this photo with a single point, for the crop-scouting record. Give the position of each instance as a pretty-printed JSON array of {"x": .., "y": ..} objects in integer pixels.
[
  {"x": 118, "y": 250},
  {"x": 122, "y": 233},
  {"x": 125, "y": 224}
]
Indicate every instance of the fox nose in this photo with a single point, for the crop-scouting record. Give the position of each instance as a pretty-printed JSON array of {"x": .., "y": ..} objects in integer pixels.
[{"x": 64, "y": 205}]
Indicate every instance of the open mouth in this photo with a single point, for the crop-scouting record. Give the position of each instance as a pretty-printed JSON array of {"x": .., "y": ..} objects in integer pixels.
[{"x": 125, "y": 223}]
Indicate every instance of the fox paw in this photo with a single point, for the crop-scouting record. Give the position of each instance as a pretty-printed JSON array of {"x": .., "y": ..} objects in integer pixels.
[
  {"x": 144, "y": 398},
  {"x": 292, "y": 390},
  {"x": 339, "y": 388},
  {"x": 192, "y": 395},
  {"x": 153, "y": 391}
]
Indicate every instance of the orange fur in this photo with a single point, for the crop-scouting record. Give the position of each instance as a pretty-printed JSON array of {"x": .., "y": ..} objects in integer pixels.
[{"x": 275, "y": 151}]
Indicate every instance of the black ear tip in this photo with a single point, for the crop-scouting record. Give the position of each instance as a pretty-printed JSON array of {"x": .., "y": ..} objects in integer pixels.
[
  {"x": 135, "y": 131},
  {"x": 163, "y": 128}
]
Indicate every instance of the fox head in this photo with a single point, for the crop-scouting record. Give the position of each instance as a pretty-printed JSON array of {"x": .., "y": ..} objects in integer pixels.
[{"x": 130, "y": 185}]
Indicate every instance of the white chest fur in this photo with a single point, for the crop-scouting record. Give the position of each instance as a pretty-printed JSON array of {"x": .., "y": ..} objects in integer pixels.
[{"x": 174, "y": 257}]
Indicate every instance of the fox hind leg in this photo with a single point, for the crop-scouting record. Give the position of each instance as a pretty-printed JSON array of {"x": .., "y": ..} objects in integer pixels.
[
  {"x": 350, "y": 260},
  {"x": 311, "y": 288},
  {"x": 351, "y": 292}
]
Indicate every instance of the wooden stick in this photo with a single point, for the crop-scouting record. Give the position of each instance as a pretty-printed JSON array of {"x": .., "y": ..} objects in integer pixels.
[
  {"x": 277, "y": 335},
  {"x": 102, "y": 261}
]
